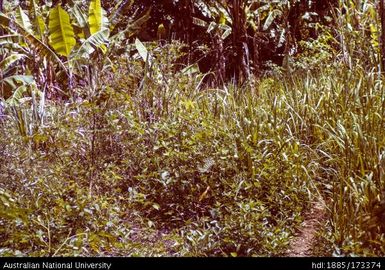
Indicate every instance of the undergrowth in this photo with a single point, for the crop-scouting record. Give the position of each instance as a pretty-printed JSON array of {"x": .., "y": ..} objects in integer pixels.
[{"x": 174, "y": 169}]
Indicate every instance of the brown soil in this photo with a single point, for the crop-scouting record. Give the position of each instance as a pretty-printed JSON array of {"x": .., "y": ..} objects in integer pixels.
[{"x": 304, "y": 241}]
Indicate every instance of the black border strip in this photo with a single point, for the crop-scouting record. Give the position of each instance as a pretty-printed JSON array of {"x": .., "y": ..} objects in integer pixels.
[{"x": 119, "y": 263}]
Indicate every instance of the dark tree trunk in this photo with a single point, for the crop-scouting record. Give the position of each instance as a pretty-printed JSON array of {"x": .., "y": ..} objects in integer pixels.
[
  {"x": 239, "y": 39},
  {"x": 382, "y": 16}
]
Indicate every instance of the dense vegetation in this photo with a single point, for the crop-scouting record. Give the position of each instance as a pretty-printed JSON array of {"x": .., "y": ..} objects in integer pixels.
[{"x": 190, "y": 128}]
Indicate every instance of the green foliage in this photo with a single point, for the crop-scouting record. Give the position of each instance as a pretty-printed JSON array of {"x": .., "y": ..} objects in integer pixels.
[
  {"x": 61, "y": 36},
  {"x": 145, "y": 159},
  {"x": 95, "y": 16},
  {"x": 18, "y": 33},
  {"x": 23, "y": 20}
]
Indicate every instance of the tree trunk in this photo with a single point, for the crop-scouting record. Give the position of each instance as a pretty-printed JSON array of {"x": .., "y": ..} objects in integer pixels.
[
  {"x": 240, "y": 47},
  {"x": 382, "y": 17}
]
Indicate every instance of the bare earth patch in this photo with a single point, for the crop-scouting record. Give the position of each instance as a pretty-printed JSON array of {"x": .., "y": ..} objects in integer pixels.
[{"x": 303, "y": 243}]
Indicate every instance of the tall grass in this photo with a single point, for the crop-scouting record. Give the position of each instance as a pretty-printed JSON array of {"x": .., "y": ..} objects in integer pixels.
[
  {"x": 226, "y": 171},
  {"x": 344, "y": 111}
]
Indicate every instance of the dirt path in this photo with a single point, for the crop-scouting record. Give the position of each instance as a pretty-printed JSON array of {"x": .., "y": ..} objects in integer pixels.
[{"x": 303, "y": 242}]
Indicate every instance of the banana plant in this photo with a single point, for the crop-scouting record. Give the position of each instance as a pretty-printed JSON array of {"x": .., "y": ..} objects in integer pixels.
[
  {"x": 61, "y": 42},
  {"x": 34, "y": 43},
  {"x": 21, "y": 39},
  {"x": 13, "y": 81},
  {"x": 20, "y": 47},
  {"x": 93, "y": 34},
  {"x": 23, "y": 90},
  {"x": 73, "y": 39},
  {"x": 93, "y": 31}
]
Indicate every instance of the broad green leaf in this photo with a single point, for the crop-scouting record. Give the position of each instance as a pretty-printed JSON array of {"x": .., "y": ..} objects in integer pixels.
[
  {"x": 97, "y": 40},
  {"x": 42, "y": 48},
  {"x": 222, "y": 18},
  {"x": 14, "y": 80},
  {"x": 79, "y": 16},
  {"x": 191, "y": 69},
  {"x": 199, "y": 22},
  {"x": 142, "y": 50},
  {"x": 40, "y": 26},
  {"x": 61, "y": 36},
  {"x": 95, "y": 16},
  {"x": 227, "y": 31},
  {"x": 105, "y": 21},
  {"x": 212, "y": 26},
  {"x": 11, "y": 42},
  {"x": 269, "y": 20},
  {"x": 39, "y": 23},
  {"x": 8, "y": 61},
  {"x": 17, "y": 95},
  {"x": 23, "y": 20},
  {"x": 23, "y": 93}
]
